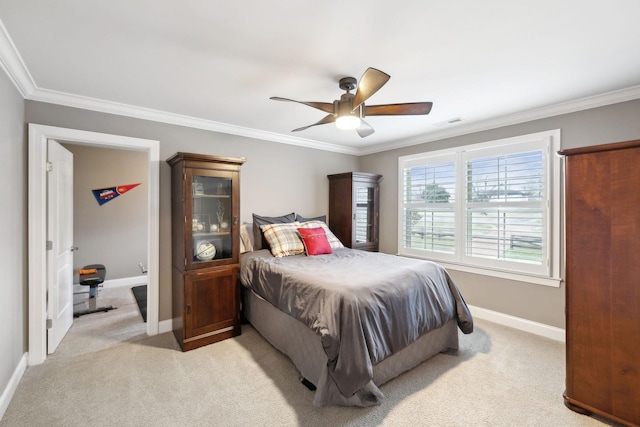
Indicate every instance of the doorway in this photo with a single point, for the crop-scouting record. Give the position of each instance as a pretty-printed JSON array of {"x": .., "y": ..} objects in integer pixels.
[{"x": 38, "y": 137}]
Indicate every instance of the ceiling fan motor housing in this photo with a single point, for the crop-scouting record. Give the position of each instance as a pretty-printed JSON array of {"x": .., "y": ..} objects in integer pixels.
[{"x": 348, "y": 83}]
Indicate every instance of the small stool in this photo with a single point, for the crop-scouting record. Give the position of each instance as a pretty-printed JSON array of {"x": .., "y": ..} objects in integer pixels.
[
  {"x": 93, "y": 279},
  {"x": 92, "y": 275}
]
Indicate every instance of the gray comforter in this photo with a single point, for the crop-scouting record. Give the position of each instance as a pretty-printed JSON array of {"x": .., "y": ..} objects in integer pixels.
[{"x": 365, "y": 306}]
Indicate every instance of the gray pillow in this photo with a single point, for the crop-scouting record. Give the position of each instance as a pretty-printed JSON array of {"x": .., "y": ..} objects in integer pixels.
[
  {"x": 258, "y": 239},
  {"x": 322, "y": 218}
]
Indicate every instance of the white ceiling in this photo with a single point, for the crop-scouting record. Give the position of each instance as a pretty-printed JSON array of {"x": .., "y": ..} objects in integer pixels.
[{"x": 214, "y": 64}]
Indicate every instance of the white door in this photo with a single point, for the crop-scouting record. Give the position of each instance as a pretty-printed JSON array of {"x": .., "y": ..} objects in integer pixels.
[{"x": 60, "y": 234}]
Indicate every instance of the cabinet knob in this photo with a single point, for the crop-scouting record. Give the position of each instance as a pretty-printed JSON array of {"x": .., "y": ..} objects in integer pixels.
[{"x": 188, "y": 308}]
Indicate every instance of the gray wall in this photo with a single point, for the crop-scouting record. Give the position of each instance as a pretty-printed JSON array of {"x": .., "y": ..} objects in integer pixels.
[
  {"x": 613, "y": 123},
  {"x": 276, "y": 178},
  {"x": 13, "y": 225},
  {"x": 115, "y": 233}
]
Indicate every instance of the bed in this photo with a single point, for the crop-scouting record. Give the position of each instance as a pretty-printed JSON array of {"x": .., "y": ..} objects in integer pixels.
[{"x": 351, "y": 320}]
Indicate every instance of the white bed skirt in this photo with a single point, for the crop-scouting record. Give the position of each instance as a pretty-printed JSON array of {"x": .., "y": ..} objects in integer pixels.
[{"x": 303, "y": 346}]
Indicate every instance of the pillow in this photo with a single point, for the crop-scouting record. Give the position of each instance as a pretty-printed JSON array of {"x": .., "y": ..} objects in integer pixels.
[
  {"x": 333, "y": 240},
  {"x": 258, "y": 238},
  {"x": 322, "y": 218},
  {"x": 283, "y": 239},
  {"x": 315, "y": 241},
  {"x": 246, "y": 237}
]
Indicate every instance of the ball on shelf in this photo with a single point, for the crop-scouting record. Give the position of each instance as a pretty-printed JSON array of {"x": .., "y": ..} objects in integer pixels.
[{"x": 206, "y": 251}]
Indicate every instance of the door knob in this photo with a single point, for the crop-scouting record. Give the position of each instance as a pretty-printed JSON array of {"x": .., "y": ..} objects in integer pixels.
[{"x": 74, "y": 248}]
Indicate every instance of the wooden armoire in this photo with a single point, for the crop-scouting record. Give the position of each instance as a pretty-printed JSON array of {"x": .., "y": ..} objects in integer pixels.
[
  {"x": 603, "y": 281},
  {"x": 354, "y": 205}
]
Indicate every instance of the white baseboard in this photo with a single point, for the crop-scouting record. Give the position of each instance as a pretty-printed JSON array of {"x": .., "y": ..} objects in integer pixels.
[
  {"x": 11, "y": 387},
  {"x": 165, "y": 326},
  {"x": 530, "y": 326},
  {"x": 125, "y": 281}
]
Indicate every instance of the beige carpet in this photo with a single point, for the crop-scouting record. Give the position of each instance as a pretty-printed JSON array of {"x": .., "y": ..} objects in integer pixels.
[
  {"x": 501, "y": 377},
  {"x": 97, "y": 331}
]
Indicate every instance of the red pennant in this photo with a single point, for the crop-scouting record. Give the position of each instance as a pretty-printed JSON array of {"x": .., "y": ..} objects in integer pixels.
[
  {"x": 104, "y": 195},
  {"x": 124, "y": 188}
]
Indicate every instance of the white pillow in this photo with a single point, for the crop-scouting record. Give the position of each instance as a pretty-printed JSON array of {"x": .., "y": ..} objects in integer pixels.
[{"x": 246, "y": 237}]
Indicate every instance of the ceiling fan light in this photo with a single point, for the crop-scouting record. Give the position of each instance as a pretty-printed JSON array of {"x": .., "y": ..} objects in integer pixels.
[{"x": 348, "y": 122}]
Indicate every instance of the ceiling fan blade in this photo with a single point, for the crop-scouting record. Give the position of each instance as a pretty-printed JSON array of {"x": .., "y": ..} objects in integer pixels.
[
  {"x": 410, "y": 109},
  {"x": 370, "y": 82},
  {"x": 324, "y": 106},
  {"x": 327, "y": 119},
  {"x": 365, "y": 129}
]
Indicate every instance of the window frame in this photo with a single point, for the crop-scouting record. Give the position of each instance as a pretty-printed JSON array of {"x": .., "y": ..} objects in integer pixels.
[{"x": 549, "y": 272}]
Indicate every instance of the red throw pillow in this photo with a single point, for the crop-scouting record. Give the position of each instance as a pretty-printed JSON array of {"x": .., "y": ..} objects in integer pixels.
[{"x": 315, "y": 241}]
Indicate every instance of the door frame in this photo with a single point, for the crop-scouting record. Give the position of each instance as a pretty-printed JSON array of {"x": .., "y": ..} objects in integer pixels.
[{"x": 37, "y": 219}]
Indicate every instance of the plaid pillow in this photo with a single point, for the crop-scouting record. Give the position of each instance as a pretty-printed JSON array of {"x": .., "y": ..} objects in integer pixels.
[
  {"x": 333, "y": 240},
  {"x": 259, "y": 241},
  {"x": 283, "y": 239}
]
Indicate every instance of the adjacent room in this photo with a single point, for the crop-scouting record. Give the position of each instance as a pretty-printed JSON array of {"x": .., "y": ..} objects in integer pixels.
[{"x": 296, "y": 213}]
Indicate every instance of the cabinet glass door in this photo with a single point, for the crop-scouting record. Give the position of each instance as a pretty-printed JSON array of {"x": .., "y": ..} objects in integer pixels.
[
  {"x": 364, "y": 212},
  {"x": 211, "y": 217}
]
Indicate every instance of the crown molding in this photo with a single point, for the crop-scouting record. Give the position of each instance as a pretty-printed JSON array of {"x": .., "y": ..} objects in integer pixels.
[
  {"x": 110, "y": 107},
  {"x": 12, "y": 63},
  {"x": 608, "y": 98}
]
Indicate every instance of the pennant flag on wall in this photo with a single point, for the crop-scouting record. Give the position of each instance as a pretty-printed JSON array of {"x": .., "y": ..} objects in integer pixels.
[{"x": 103, "y": 195}]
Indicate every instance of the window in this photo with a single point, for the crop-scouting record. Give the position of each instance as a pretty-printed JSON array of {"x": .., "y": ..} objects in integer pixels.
[{"x": 491, "y": 208}]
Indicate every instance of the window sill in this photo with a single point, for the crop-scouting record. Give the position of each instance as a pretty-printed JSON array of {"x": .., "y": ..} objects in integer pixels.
[{"x": 519, "y": 277}]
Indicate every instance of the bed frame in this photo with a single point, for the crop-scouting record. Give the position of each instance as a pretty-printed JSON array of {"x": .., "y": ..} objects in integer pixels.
[{"x": 303, "y": 346}]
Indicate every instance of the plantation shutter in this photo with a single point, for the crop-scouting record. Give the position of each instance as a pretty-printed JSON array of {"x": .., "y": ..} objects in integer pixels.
[
  {"x": 429, "y": 205},
  {"x": 504, "y": 210}
]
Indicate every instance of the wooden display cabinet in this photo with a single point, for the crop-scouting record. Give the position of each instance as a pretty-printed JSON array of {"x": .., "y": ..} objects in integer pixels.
[
  {"x": 354, "y": 209},
  {"x": 205, "y": 227}
]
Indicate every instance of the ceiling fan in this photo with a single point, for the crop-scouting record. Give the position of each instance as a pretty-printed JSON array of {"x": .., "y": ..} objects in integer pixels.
[{"x": 349, "y": 111}]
